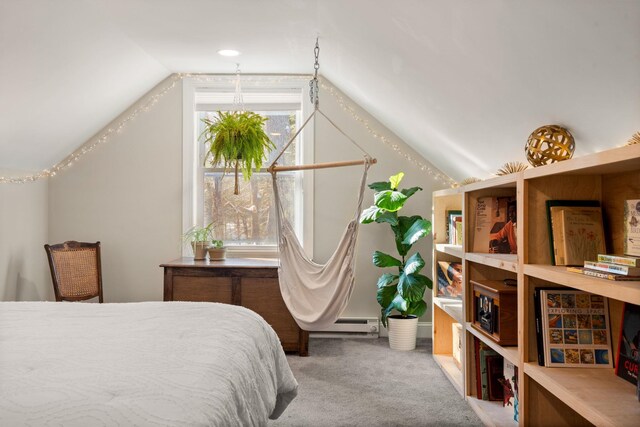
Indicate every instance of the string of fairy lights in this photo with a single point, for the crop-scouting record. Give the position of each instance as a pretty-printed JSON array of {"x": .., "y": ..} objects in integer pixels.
[{"x": 152, "y": 99}]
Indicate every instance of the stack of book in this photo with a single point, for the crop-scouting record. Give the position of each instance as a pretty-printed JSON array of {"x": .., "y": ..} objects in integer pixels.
[{"x": 611, "y": 267}]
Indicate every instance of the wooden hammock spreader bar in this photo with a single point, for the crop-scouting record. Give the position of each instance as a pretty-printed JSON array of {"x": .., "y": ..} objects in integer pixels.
[{"x": 274, "y": 168}]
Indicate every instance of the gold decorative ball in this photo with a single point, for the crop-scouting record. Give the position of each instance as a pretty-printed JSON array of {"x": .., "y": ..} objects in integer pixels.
[{"x": 549, "y": 144}]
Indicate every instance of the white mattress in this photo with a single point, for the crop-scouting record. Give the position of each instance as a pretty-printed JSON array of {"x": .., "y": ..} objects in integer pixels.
[{"x": 151, "y": 363}]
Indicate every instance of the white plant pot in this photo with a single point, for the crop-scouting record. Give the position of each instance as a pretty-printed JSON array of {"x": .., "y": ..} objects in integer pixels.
[{"x": 402, "y": 332}]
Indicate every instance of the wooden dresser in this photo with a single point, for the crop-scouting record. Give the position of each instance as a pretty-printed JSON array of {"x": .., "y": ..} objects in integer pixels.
[{"x": 249, "y": 282}]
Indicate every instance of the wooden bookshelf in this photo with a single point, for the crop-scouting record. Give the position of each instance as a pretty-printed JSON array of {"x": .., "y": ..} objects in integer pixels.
[
  {"x": 509, "y": 353},
  {"x": 547, "y": 396}
]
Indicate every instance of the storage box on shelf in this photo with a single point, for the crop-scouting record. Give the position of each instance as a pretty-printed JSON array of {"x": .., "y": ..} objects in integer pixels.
[{"x": 547, "y": 396}]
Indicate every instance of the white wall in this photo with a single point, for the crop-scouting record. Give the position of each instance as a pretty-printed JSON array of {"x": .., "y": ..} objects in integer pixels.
[
  {"x": 127, "y": 194},
  {"x": 24, "y": 271}
]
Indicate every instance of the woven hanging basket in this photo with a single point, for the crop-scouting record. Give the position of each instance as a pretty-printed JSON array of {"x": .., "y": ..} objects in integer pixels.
[{"x": 549, "y": 144}]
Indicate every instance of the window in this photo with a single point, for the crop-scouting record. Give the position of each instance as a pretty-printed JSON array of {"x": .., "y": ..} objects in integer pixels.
[{"x": 247, "y": 222}]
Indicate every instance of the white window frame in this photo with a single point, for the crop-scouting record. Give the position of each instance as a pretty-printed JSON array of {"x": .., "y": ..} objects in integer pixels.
[{"x": 192, "y": 169}]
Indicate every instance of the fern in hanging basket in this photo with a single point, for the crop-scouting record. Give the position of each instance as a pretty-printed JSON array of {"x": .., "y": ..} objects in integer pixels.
[{"x": 237, "y": 140}]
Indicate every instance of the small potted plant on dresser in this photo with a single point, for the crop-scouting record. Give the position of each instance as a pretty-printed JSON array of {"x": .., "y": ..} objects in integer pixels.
[
  {"x": 217, "y": 251},
  {"x": 200, "y": 239},
  {"x": 404, "y": 291}
]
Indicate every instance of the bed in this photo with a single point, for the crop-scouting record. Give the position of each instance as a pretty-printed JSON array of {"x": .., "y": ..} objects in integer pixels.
[{"x": 151, "y": 363}]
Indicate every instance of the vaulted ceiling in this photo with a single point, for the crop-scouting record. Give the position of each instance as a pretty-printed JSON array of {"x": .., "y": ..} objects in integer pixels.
[{"x": 463, "y": 82}]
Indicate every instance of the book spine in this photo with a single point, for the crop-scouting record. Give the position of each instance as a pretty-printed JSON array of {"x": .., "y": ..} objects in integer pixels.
[
  {"x": 609, "y": 276},
  {"x": 538, "y": 315},
  {"x": 610, "y": 268},
  {"x": 619, "y": 260}
]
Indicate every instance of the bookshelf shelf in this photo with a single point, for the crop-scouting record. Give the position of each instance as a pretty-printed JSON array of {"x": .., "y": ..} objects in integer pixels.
[
  {"x": 623, "y": 291},
  {"x": 547, "y": 396},
  {"x": 506, "y": 262},
  {"x": 450, "y": 306},
  {"x": 454, "y": 250},
  {"x": 597, "y": 394},
  {"x": 492, "y": 413},
  {"x": 451, "y": 371},
  {"x": 509, "y": 353}
]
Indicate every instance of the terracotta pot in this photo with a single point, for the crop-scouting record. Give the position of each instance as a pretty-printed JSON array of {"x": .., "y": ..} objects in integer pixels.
[
  {"x": 402, "y": 332},
  {"x": 217, "y": 254},
  {"x": 199, "y": 250}
]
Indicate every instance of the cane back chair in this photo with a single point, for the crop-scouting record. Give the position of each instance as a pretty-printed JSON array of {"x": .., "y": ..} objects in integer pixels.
[{"x": 75, "y": 270}]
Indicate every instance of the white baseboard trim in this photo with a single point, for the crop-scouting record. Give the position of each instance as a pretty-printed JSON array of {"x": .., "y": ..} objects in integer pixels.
[{"x": 424, "y": 330}]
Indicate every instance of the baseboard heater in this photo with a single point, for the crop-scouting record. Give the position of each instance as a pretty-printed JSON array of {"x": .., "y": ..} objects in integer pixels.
[{"x": 351, "y": 327}]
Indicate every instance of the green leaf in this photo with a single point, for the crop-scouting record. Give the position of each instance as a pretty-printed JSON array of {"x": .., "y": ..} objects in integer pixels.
[
  {"x": 390, "y": 200},
  {"x": 380, "y": 186},
  {"x": 404, "y": 223},
  {"x": 412, "y": 286},
  {"x": 380, "y": 259},
  {"x": 418, "y": 230},
  {"x": 399, "y": 304},
  {"x": 413, "y": 264},
  {"x": 410, "y": 191},
  {"x": 417, "y": 308},
  {"x": 395, "y": 180},
  {"x": 387, "y": 279},
  {"x": 388, "y": 217},
  {"x": 370, "y": 214},
  {"x": 385, "y": 295}
]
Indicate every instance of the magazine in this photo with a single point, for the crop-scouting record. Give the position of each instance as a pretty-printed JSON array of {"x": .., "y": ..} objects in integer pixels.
[
  {"x": 575, "y": 329},
  {"x": 629, "y": 344}
]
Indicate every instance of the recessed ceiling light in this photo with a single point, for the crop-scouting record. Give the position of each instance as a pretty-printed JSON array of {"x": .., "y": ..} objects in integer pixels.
[
  {"x": 228, "y": 52},
  {"x": 275, "y": 134}
]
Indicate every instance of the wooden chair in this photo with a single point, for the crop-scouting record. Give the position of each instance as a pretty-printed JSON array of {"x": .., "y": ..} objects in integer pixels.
[{"x": 75, "y": 270}]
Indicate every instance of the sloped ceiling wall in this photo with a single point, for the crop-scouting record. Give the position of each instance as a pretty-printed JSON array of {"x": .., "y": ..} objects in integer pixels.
[{"x": 463, "y": 82}]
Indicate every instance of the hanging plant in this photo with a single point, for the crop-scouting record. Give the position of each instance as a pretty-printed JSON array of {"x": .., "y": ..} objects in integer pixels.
[{"x": 237, "y": 140}]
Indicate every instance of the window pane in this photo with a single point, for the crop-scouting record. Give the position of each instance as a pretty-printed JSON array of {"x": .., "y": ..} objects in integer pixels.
[{"x": 247, "y": 218}]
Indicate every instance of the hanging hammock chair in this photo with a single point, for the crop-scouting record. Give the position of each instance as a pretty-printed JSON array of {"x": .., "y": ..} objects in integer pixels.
[{"x": 316, "y": 294}]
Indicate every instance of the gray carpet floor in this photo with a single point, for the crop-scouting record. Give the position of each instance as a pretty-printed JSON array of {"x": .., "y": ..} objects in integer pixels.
[{"x": 362, "y": 382}]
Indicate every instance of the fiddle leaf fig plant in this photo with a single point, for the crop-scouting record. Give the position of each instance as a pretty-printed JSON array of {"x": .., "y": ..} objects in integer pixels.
[
  {"x": 237, "y": 139},
  {"x": 404, "y": 291}
]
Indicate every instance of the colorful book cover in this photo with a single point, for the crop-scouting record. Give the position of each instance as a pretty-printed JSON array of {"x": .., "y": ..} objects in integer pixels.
[
  {"x": 583, "y": 234},
  {"x": 558, "y": 205},
  {"x": 449, "y": 279},
  {"x": 575, "y": 328},
  {"x": 508, "y": 382},
  {"x": 632, "y": 227},
  {"x": 495, "y": 225},
  {"x": 629, "y": 344}
]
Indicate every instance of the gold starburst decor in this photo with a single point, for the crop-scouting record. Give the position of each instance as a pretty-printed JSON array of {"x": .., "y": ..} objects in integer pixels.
[
  {"x": 511, "y": 167},
  {"x": 549, "y": 144},
  {"x": 470, "y": 180},
  {"x": 635, "y": 139}
]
